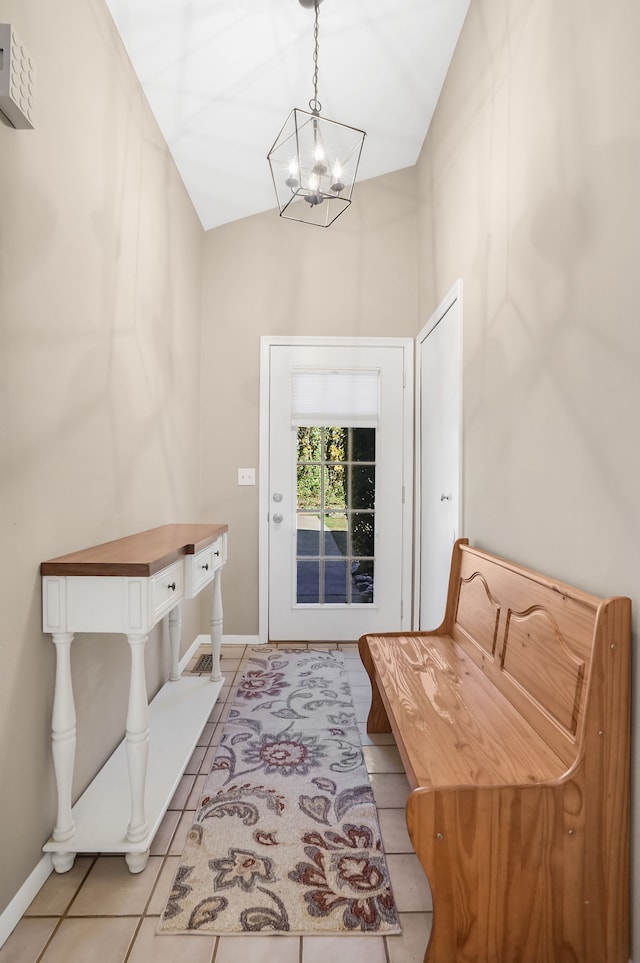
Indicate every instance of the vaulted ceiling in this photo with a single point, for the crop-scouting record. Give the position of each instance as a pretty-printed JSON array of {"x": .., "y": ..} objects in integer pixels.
[{"x": 221, "y": 77}]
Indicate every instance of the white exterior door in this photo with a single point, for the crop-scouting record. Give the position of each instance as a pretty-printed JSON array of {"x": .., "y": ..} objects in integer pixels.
[
  {"x": 438, "y": 456},
  {"x": 337, "y": 491}
]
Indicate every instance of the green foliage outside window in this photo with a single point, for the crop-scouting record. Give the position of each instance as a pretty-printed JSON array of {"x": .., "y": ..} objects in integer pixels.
[{"x": 311, "y": 449}]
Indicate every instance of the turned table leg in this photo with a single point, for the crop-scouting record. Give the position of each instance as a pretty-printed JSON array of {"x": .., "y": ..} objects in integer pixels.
[
  {"x": 63, "y": 747},
  {"x": 175, "y": 629},
  {"x": 216, "y": 626},
  {"x": 137, "y": 747}
]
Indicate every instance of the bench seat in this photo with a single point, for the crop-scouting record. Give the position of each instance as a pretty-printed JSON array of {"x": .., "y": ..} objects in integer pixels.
[
  {"x": 456, "y": 729},
  {"x": 512, "y": 719}
]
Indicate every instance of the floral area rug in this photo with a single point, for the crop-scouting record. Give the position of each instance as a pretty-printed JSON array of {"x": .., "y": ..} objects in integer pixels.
[{"x": 286, "y": 836}]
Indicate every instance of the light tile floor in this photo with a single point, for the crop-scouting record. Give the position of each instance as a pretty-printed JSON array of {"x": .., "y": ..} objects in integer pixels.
[{"x": 100, "y": 912}]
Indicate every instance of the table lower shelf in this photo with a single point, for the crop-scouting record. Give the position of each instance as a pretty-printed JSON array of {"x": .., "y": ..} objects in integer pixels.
[{"x": 177, "y": 716}]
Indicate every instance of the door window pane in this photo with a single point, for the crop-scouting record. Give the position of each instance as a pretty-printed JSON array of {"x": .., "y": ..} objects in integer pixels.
[
  {"x": 336, "y": 535},
  {"x": 335, "y": 515},
  {"x": 308, "y": 578},
  {"x": 362, "y": 535},
  {"x": 309, "y": 487},
  {"x": 362, "y": 581},
  {"x": 363, "y": 444},
  {"x": 309, "y": 444},
  {"x": 334, "y": 486},
  {"x": 308, "y": 536},
  {"x": 335, "y": 582},
  {"x": 363, "y": 486}
]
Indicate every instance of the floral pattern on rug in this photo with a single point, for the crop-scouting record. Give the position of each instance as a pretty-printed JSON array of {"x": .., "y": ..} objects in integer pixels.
[{"x": 286, "y": 836}]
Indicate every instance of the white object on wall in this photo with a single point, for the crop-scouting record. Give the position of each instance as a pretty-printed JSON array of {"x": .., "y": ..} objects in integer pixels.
[{"x": 17, "y": 75}]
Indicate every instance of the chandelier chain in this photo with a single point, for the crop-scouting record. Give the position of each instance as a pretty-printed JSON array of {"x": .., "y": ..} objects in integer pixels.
[{"x": 314, "y": 103}]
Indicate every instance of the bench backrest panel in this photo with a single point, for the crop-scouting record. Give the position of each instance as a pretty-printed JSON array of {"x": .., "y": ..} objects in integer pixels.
[{"x": 533, "y": 637}]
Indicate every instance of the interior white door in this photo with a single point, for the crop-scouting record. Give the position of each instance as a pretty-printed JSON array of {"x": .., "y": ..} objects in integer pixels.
[
  {"x": 438, "y": 485},
  {"x": 339, "y": 469}
]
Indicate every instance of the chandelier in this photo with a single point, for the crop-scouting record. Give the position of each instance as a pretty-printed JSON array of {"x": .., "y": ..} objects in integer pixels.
[{"x": 314, "y": 161}]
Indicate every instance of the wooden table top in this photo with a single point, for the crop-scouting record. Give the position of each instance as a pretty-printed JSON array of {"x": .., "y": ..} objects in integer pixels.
[{"x": 142, "y": 554}]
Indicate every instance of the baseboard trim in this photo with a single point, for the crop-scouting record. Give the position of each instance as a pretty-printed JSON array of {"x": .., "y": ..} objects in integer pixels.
[
  {"x": 191, "y": 651},
  {"x": 241, "y": 640},
  {"x": 226, "y": 640},
  {"x": 24, "y": 898}
]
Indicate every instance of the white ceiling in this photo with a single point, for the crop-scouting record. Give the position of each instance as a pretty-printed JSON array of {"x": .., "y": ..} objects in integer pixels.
[{"x": 221, "y": 77}]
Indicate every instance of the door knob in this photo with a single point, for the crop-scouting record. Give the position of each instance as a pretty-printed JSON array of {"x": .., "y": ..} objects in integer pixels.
[
  {"x": 277, "y": 497},
  {"x": 277, "y": 518}
]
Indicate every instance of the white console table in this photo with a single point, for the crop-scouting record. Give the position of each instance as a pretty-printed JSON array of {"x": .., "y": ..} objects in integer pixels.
[{"x": 128, "y": 586}]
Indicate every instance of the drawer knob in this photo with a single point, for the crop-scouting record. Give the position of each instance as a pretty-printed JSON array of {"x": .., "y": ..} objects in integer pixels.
[
  {"x": 206, "y": 566},
  {"x": 172, "y": 586},
  {"x": 217, "y": 552}
]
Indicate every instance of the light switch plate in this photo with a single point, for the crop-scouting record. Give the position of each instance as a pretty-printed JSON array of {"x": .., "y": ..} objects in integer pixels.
[
  {"x": 246, "y": 476},
  {"x": 17, "y": 76}
]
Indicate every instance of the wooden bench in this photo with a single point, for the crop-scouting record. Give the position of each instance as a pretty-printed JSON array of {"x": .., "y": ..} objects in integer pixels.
[{"x": 512, "y": 720}]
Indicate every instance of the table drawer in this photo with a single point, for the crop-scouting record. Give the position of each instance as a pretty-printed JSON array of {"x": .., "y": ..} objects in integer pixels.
[
  {"x": 167, "y": 587},
  {"x": 202, "y": 566}
]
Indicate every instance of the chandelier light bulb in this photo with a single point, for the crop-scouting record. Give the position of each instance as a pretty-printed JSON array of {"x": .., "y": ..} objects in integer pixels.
[
  {"x": 338, "y": 185},
  {"x": 292, "y": 180},
  {"x": 319, "y": 167},
  {"x": 315, "y": 195}
]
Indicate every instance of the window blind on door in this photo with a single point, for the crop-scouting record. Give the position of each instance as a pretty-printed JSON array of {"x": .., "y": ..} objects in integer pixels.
[{"x": 344, "y": 398}]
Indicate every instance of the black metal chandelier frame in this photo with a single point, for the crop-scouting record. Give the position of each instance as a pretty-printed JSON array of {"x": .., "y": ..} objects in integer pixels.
[{"x": 314, "y": 160}]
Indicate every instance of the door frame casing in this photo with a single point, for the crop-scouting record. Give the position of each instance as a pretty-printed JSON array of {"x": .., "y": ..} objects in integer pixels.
[
  {"x": 450, "y": 299},
  {"x": 266, "y": 343}
]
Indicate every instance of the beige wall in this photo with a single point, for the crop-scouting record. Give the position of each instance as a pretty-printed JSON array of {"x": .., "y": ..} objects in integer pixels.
[
  {"x": 527, "y": 190},
  {"x": 266, "y": 275},
  {"x": 529, "y": 182},
  {"x": 100, "y": 255}
]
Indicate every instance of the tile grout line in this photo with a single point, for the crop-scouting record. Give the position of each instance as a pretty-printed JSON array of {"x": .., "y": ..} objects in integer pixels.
[{"x": 127, "y": 955}]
